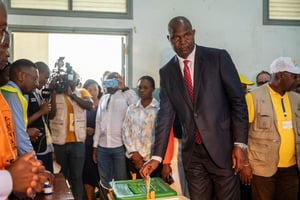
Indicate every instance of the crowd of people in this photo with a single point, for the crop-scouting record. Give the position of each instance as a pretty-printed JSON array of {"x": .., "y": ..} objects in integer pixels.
[
  {"x": 207, "y": 135},
  {"x": 22, "y": 174}
]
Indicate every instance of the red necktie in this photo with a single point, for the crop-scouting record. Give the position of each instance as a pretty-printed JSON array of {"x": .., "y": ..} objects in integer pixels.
[{"x": 190, "y": 88}]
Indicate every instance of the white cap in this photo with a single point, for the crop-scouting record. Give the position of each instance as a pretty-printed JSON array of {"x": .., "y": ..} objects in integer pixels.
[{"x": 284, "y": 64}]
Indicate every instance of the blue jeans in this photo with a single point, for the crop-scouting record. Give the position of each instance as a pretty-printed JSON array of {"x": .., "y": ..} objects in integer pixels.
[
  {"x": 71, "y": 158},
  {"x": 111, "y": 164}
]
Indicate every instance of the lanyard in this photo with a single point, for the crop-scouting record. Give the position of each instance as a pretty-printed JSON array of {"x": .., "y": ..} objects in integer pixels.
[{"x": 283, "y": 107}]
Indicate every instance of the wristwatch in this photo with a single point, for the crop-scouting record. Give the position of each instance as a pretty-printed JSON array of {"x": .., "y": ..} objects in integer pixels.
[{"x": 241, "y": 145}]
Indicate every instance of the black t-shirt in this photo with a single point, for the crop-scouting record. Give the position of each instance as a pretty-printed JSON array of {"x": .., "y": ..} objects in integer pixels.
[{"x": 33, "y": 106}]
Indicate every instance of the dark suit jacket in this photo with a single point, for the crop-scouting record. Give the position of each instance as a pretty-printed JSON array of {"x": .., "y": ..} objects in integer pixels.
[{"x": 219, "y": 112}]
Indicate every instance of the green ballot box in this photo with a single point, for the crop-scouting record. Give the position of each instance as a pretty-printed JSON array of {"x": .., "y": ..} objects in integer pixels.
[{"x": 136, "y": 189}]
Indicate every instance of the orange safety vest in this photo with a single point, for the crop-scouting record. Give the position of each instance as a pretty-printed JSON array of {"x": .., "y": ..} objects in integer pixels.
[{"x": 8, "y": 147}]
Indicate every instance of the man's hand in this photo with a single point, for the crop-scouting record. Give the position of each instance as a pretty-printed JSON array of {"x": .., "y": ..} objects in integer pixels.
[
  {"x": 121, "y": 82},
  {"x": 34, "y": 134},
  {"x": 137, "y": 159},
  {"x": 148, "y": 168},
  {"x": 166, "y": 171},
  {"x": 26, "y": 173},
  {"x": 166, "y": 174},
  {"x": 45, "y": 108},
  {"x": 94, "y": 155},
  {"x": 246, "y": 175},
  {"x": 90, "y": 131},
  {"x": 238, "y": 159}
]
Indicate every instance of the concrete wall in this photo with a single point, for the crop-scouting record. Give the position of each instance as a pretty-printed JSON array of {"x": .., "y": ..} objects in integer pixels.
[{"x": 234, "y": 25}]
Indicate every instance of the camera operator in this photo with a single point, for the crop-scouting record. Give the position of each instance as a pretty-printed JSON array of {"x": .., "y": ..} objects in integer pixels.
[
  {"x": 68, "y": 127},
  {"x": 109, "y": 150}
]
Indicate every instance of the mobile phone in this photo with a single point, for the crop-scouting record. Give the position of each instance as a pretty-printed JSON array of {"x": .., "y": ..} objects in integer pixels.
[{"x": 110, "y": 83}]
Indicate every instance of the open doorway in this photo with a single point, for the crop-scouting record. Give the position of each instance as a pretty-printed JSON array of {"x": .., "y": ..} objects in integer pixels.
[{"x": 89, "y": 54}]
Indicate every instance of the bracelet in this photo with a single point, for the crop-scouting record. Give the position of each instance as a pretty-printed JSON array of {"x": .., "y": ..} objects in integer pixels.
[{"x": 246, "y": 165}]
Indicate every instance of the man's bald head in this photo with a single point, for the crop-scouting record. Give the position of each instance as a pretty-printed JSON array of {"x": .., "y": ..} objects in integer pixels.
[
  {"x": 3, "y": 17},
  {"x": 179, "y": 20},
  {"x": 4, "y": 36}
]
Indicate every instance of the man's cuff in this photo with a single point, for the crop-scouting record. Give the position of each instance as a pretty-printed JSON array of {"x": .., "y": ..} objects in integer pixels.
[
  {"x": 243, "y": 146},
  {"x": 158, "y": 158},
  {"x": 6, "y": 184}
]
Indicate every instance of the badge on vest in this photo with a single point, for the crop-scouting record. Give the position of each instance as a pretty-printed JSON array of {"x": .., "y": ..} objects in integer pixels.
[
  {"x": 287, "y": 125},
  {"x": 71, "y": 127},
  {"x": 33, "y": 99}
]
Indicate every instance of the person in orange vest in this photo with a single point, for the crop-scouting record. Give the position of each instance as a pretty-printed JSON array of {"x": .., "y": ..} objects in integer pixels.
[{"x": 21, "y": 175}]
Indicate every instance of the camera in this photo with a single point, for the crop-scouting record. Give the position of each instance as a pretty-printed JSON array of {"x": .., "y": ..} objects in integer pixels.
[
  {"x": 61, "y": 75},
  {"x": 110, "y": 83}
]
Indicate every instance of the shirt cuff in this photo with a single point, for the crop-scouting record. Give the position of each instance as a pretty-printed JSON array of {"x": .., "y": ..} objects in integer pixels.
[
  {"x": 6, "y": 184},
  {"x": 239, "y": 143},
  {"x": 95, "y": 144},
  {"x": 243, "y": 146},
  {"x": 158, "y": 158}
]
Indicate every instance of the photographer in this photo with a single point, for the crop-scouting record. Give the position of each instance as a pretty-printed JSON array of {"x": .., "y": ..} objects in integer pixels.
[
  {"x": 109, "y": 150},
  {"x": 68, "y": 127}
]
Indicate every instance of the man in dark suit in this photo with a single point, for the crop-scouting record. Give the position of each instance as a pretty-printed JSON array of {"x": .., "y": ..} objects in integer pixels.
[{"x": 214, "y": 116}]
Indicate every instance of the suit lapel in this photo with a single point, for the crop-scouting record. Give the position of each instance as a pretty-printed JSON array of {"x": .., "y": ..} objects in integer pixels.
[{"x": 198, "y": 73}]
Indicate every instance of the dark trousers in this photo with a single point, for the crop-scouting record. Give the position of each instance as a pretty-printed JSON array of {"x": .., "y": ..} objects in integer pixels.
[
  {"x": 206, "y": 181},
  {"x": 283, "y": 185},
  {"x": 245, "y": 192},
  {"x": 71, "y": 158},
  {"x": 47, "y": 161}
]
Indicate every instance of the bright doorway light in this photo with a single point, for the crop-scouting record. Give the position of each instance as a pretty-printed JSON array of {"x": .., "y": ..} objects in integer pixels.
[{"x": 89, "y": 54}]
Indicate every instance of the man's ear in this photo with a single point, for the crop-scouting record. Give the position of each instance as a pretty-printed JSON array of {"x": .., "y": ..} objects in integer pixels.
[{"x": 20, "y": 76}]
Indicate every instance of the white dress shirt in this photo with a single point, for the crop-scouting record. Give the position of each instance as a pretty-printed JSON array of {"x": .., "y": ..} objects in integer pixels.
[
  {"x": 110, "y": 116},
  {"x": 191, "y": 59}
]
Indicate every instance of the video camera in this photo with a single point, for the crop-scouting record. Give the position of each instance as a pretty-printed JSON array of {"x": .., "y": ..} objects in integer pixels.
[{"x": 60, "y": 76}]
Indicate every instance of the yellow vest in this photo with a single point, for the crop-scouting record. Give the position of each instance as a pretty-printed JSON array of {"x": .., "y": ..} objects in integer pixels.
[{"x": 22, "y": 99}]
